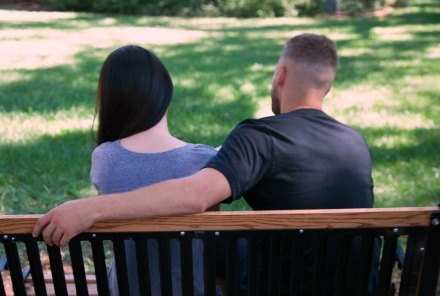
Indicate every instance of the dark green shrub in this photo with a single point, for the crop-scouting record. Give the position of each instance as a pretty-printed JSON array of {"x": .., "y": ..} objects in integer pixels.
[
  {"x": 251, "y": 8},
  {"x": 74, "y": 5},
  {"x": 118, "y": 6},
  {"x": 352, "y": 7},
  {"x": 308, "y": 7},
  {"x": 233, "y": 8}
]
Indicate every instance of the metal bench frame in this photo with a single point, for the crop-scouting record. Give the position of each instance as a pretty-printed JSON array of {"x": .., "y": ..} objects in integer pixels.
[{"x": 419, "y": 225}]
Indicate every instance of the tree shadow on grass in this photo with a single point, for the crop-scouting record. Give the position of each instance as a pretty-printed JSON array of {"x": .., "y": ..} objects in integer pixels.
[{"x": 36, "y": 175}]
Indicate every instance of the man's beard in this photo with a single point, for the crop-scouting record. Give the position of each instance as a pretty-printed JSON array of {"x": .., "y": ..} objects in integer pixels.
[{"x": 275, "y": 101}]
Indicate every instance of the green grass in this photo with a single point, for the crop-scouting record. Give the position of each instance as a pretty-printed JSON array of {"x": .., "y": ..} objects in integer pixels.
[{"x": 387, "y": 88}]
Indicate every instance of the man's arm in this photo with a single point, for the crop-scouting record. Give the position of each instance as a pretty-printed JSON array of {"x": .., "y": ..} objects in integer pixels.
[{"x": 189, "y": 195}]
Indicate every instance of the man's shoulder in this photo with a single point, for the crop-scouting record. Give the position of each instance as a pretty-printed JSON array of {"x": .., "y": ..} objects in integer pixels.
[{"x": 256, "y": 123}]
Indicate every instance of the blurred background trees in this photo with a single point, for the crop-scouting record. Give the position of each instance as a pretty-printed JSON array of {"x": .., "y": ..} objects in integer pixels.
[{"x": 229, "y": 8}]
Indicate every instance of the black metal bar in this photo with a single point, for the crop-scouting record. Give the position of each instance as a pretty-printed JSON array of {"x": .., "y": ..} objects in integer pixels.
[
  {"x": 342, "y": 264},
  {"x": 387, "y": 264},
  {"x": 14, "y": 267},
  {"x": 165, "y": 266},
  {"x": 231, "y": 266},
  {"x": 186, "y": 265},
  {"x": 365, "y": 265},
  {"x": 413, "y": 255},
  {"x": 297, "y": 264},
  {"x": 143, "y": 266},
  {"x": 100, "y": 267},
  {"x": 209, "y": 264},
  {"x": 253, "y": 266},
  {"x": 274, "y": 265},
  {"x": 319, "y": 269},
  {"x": 33, "y": 254},
  {"x": 121, "y": 266},
  {"x": 57, "y": 270},
  {"x": 79, "y": 273},
  {"x": 431, "y": 261}
]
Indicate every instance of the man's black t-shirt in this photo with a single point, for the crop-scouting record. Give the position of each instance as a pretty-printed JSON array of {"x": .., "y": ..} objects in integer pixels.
[{"x": 303, "y": 159}]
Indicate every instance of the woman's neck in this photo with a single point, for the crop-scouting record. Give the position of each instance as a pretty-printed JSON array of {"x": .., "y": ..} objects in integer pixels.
[{"x": 154, "y": 140}]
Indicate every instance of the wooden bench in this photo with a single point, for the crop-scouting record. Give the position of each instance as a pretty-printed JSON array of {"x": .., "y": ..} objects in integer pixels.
[{"x": 417, "y": 230}]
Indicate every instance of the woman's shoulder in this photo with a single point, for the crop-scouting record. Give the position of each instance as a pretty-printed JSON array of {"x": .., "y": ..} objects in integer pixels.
[
  {"x": 105, "y": 150},
  {"x": 202, "y": 149}
]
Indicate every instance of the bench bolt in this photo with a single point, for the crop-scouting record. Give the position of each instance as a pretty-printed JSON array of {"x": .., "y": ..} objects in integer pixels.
[
  {"x": 94, "y": 235},
  {"x": 182, "y": 233},
  {"x": 5, "y": 237},
  {"x": 435, "y": 222},
  {"x": 396, "y": 230},
  {"x": 216, "y": 233},
  {"x": 301, "y": 231}
]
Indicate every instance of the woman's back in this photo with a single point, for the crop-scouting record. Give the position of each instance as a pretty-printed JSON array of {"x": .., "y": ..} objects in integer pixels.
[{"x": 116, "y": 169}]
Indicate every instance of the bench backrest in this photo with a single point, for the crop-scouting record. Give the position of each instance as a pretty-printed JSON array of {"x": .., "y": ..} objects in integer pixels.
[{"x": 281, "y": 232}]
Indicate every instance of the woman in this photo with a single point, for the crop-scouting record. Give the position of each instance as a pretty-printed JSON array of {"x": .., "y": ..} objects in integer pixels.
[{"x": 135, "y": 148}]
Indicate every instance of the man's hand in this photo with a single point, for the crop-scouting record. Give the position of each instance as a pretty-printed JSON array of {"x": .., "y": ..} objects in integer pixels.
[{"x": 64, "y": 222}]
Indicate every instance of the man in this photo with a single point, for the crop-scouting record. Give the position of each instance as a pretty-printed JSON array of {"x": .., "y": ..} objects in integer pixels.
[{"x": 301, "y": 158}]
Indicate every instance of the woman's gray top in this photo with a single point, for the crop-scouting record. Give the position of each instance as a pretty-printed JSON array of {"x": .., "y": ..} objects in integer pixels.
[{"x": 116, "y": 169}]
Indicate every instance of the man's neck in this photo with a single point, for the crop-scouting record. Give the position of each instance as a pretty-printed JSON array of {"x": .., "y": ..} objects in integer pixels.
[
  {"x": 310, "y": 100},
  {"x": 286, "y": 109}
]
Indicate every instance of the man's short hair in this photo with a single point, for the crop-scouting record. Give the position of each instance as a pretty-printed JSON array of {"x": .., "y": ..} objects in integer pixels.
[
  {"x": 312, "y": 49},
  {"x": 315, "y": 54}
]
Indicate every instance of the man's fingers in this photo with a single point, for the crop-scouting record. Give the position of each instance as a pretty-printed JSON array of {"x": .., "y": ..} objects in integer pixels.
[
  {"x": 56, "y": 236},
  {"x": 48, "y": 233},
  {"x": 41, "y": 223},
  {"x": 64, "y": 240}
]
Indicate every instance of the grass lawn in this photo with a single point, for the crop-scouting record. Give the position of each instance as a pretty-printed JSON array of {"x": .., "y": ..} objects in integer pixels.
[{"x": 387, "y": 88}]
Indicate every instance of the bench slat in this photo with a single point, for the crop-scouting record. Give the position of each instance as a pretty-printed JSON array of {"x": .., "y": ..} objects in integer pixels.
[
  {"x": 430, "y": 270},
  {"x": 366, "y": 255},
  {"x": 387, "y": 263},
  {"x": 14, "y": 267},
  {"x": 242, "y": 220},
  {"x": 319, "y": 268},
  {"x": 35, "y": 265},
  {"x": 231, "y": 266},
  {"x": 165, "y": 266},
  {"x": 121, "y": 266},
  {"x": 81, "y": 279},
  {"x": 186, "y": 265},
  {"x": 209, "y": 259},
  {"x": 143, "y": 266},
  {"x": 342, "y": 265},
  {"x": 274, "y": 265},
  {"x": 297, "y": 267},
  {"x": 100, "y": 267},
  {"x": 56, "y": 266},
  {"x": 252, "y": 270}
]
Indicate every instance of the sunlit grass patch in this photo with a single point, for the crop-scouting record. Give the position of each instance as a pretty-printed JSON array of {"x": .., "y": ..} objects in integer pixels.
[{"x": 21, "y": 127}]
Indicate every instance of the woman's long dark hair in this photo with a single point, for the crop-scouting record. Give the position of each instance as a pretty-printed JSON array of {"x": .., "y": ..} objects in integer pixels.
[{"x": 134, "y": 93}]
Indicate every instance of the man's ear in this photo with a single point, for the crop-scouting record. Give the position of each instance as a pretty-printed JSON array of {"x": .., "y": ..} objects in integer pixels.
[{"x": 281, "y": 76}]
